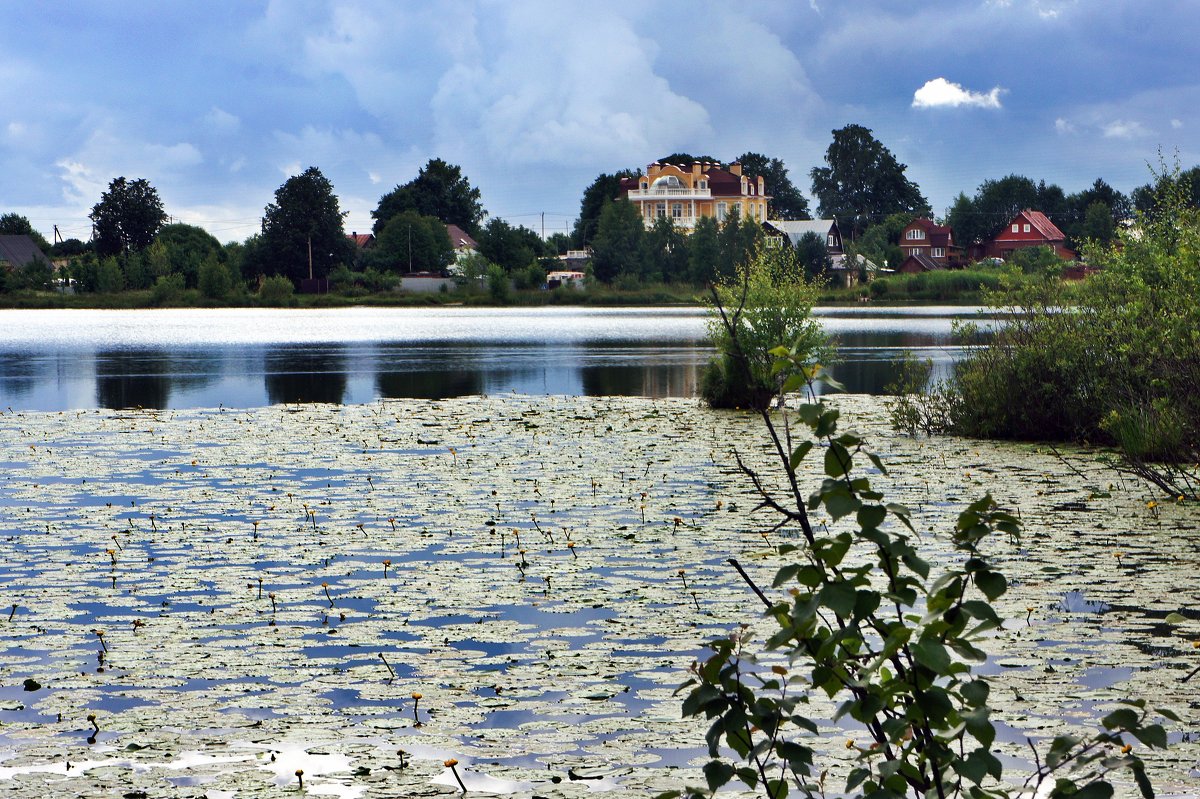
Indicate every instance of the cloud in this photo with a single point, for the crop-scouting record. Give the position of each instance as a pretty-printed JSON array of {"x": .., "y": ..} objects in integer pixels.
[
  {"x": 1124, "y": 129},
  {"x": 221, "y": 121},
  {"x": 1176, "y": 124},
  {"x": 939, "y": 93},
  {"x": 1063, "y": 126}
]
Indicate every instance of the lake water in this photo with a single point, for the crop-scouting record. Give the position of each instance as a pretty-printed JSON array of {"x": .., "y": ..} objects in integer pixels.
[{"x": 193, "y": 358}]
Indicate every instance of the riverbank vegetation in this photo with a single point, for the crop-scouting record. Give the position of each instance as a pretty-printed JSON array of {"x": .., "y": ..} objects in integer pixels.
[{"x": 1115, "y": 360}]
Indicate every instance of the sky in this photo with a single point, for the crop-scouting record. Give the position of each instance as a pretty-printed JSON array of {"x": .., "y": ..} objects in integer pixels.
[{"x": 216, "y": 104}]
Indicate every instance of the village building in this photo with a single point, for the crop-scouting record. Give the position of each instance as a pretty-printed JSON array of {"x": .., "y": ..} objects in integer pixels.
[
  {"x": 1029, "y": 228},
  {"x": 19, "y": 251},
  {"x": 689, "y": 193},
  {"x": 931, "y": 241}
]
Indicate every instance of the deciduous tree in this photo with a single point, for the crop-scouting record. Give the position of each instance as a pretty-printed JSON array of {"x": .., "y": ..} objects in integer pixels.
[
  {"x": 863, "y": 182},
  {"x": 786, "y": 200},
  {"x": 305, "y": 212},
  {"x": 439, "y": 190},
  {"x": 127, "y": 217}
]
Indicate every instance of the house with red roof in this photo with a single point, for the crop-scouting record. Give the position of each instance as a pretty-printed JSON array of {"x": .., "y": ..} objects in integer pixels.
[
  {"x": 1029, "y": 228},
  {"x": 934, "y": 244},
  {"x": 689, "y": 193}
]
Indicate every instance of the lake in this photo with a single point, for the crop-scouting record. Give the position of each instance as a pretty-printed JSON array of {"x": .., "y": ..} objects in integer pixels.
[{"x": 54, "y": 360}]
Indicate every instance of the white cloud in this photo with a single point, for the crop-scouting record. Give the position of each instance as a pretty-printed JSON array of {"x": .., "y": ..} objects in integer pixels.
[
  {"x": 1063, "y": 126},
  {"x": 1124, "y": 129},
  {"x": 939, "y": 93},
  {"x": 1176, "y": 124},
  {"x": 221, "y": 121}
]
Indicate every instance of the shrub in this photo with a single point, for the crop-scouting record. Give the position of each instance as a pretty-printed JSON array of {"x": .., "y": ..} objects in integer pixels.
[
  {"x": 499, "y": 286},
  {"x": 769, "y": 302},
  {"x": 276, "y": 290},
  {"x": 215, "y": 280},
  {"x": 167, "y": 289}
]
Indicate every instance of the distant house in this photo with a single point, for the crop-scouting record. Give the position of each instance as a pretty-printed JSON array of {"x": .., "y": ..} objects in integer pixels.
[
  {"x": 686, "y": 194},
  {"x": 792, "y": 231},
  {"x": 462, "y": 242},
  {"x": 917, "y": 263},
  {"x": 19, "y": 251},
  {"x": 1029, "y": 229},
  {"x": 362, "y": 241},
  {"x": 926, "y": 238}
]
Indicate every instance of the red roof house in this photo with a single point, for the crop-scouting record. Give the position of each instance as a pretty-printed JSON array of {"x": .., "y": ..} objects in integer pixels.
[
  {"x": 931, "y": 241},
  {"x": 1029, "y": 229}
]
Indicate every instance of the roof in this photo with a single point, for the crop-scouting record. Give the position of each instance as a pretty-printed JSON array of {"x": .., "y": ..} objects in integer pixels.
[
  {"x": 795, "y": 229},
  {"x": 939, "y": 235},
  {"x": 1042, "y": 224},
  {"x": 361, "y": 240},
  {"x": 20, "y": 251},
  {"x": 926, "y": 263},
  {"x": 459, "y": 238}
]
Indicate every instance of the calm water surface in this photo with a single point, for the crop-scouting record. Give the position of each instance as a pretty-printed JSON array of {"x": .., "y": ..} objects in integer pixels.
[{"x": 190, "y": 358}]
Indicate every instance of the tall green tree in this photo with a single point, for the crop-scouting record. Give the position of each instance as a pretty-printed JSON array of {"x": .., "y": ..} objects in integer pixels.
[
  {"x": 17, "y": 225},
  {"x": 603, "y": 190},
  {"x": 127, "y": 217},
  {"x": 439, "y": 190},
  {"x": 786, "y": 200},
  {"x": 704, "y": 251},
  {"x": 511, "y": 247},
  {"x": 411, "y": 242},
  {"x": 862, "y": 182},
  {"x": 305, "y": 214},
  {"x": 617, "y": 248},
  {"x": 185, "y": 248},
  {"x": 666, "y": 251}
]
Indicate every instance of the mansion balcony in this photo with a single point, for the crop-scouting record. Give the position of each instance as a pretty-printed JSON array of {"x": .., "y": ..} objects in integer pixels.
[{"x": 674, "y": 193}]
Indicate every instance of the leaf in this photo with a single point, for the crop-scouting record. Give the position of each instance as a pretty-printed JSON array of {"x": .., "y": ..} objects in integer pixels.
[
  {"x": 837, "y": 460},
  {"x": 1143, "y": 782},
  {"x": 1095, "y": 790},
  {"x": 839, "y": 597},
  {"x": 1122, "y": 718},
  {"x": 932, "y": 654},
  {"x": 992, "y": 584},
  {"x": 1152, "y": 735},
  {"x": 1176, "y": 618},
  {"x": 799, "y": 453},
  {"x": 717, "y": 773}
]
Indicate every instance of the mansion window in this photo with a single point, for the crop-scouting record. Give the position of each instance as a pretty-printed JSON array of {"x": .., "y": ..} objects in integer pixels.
[
  {"x": 722, "y": 211},
  {"x": 915, "y": 234},
  {"x": 703, "y": 184},
  {"x": 660, "y": 209},
  {"x": 677, "y": 210}
]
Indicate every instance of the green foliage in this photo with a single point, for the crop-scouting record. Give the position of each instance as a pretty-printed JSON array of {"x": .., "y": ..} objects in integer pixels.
[
  {"x": 304, "y": 217},
  {"x": 510, "y": 247},
  {"x": 215, "y": 281},
  {"x": 1037, "y": 261},
  {"x": 617, "y": 248},
  {"x": 862, "y": 182},
  {"x": 127, "y": 217},
  {"x": 786, "y": 200},
  {"x": 410, "y": 242},
  {"x": 916, "y": 405},
  {"x": 439, "y": 190},
  {"x": 1116, "y": 359},
  {"x": 109, "y": 277},
  {"x": 499, "y": 285},
  {"x": 813, "y": 255},
  {"x": 864, "y": 622},
  {"x": 602, "y": 191},
  {"x": 182, "y": 249},
  {"x": 168, "y": 289},
  {"x": 941, "y": 285},
  {"x": 276, "y": 290},
  {"x": 773, "y": 303}
]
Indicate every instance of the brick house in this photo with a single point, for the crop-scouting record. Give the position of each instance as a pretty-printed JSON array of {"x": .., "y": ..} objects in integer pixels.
[
  {"x": 1029, "y": 229},
  {"x": 925, "y": 238}
]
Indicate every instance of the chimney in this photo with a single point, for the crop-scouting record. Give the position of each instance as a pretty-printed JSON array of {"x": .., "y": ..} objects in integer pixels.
[{"x": 736, "y": 168}]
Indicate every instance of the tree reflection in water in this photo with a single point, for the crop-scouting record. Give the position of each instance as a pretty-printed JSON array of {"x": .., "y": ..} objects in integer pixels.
[{"x": 305, "y": 373}]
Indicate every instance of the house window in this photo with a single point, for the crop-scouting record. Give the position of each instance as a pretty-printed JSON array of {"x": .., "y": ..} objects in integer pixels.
[
  {"x": 704, "y": 184},
  {"x": 916, "y": 234},
  {"x": 722, "y": 211},
  {"x": 1026, "y": 228},
  {"x": 1016, "y": 228},
  {"x": 661, "y": 209},
  {"x": 677, "y": 210},
  {"x": 938, "y": 252},
  {"x": 830, "y": 241}
]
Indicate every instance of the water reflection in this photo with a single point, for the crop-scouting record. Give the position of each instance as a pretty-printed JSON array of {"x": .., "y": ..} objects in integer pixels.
[
  {"x": 305, "y": 373},
  {"x": 252, "y": 357}
]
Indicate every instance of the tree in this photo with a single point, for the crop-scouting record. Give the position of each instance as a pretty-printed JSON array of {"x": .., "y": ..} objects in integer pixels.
[
  {"x": 863, "y": 182},
  {"x": 812, "y": 256},
  {"x": 439, "y": 190},
  {"x": 410, "y": 242},
  {"x": 17, "y": 225},
  {"x": 666, "y": 251},
  {"x": 786, "y": 200},
  {"x": 511, "y": 247},
  {"x": 704, "y": 251},
  {"x": 603, "y": 190},
  {"x": 127, "y": 217},
  {"x": 880, "y": 243},
  {"x": 185, "y": 248},
  {"x": 304, "y": 218},
  {"x": 617, "y": 249},
  {"x": 1097, "y": 225}
]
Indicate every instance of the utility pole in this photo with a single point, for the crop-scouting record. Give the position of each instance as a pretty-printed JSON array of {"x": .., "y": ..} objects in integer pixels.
[
  {"x": 410, "y": 248},
  {"x": 310, "y": 277},
  {"x": 543, "y": 225}
]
